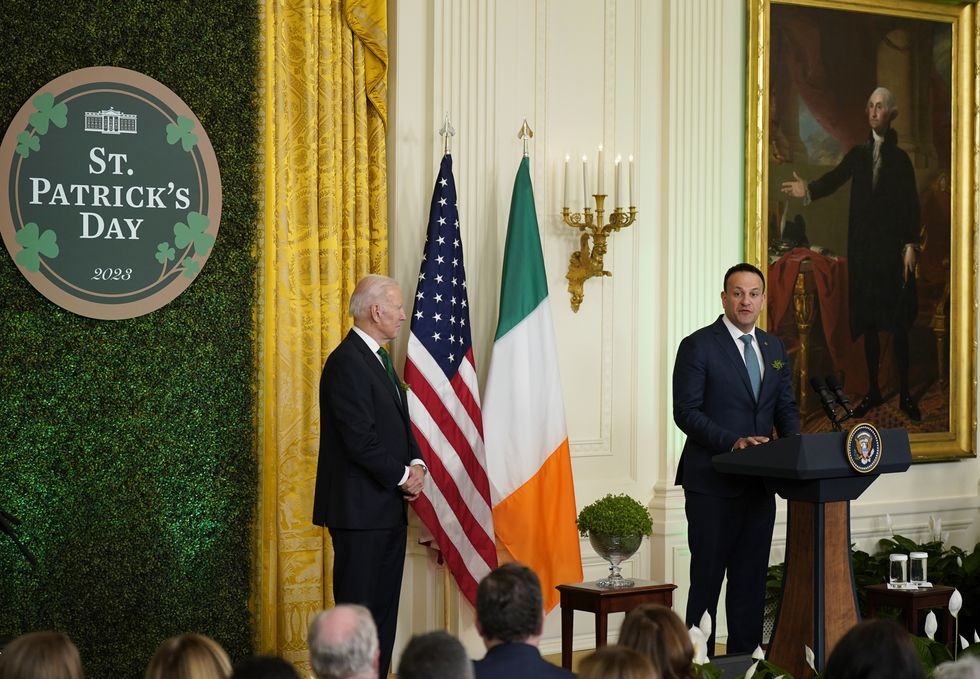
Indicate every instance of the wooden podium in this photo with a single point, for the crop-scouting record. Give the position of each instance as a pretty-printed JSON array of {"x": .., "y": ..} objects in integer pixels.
[{"x": 819, "y": 600}]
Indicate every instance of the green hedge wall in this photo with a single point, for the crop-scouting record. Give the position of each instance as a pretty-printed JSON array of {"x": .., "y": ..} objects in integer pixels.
[{"x": 127, "y": 447}]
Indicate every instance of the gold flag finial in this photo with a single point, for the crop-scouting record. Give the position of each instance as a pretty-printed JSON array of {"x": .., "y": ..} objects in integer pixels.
[{"x": 524, "y": 134}]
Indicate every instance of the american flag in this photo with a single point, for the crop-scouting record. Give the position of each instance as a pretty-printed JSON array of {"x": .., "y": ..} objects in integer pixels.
[{"x": 444, "y": 400}]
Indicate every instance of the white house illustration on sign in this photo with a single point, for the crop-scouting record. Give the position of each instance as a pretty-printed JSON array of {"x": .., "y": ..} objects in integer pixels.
[{"x": 110, "y": 122}]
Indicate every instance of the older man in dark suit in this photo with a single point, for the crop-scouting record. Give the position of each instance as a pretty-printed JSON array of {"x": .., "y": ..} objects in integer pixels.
[
  {"x": 731, "y": 390},
  {"x": 370, "y": 463},
  {"x": 882, "y": 244}
]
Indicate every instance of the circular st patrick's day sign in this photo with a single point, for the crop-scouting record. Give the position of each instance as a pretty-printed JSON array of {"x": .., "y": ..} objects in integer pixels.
[{"x": 111, "y": 194}]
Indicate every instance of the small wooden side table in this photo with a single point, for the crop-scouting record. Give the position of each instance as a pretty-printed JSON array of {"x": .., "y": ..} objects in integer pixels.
[
  {"x": 913, "y": 601},
  {"x": 586, "y": 596}
]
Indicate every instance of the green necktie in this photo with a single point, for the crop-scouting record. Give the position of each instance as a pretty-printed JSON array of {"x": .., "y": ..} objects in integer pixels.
[{"x": 389, "y": 368}]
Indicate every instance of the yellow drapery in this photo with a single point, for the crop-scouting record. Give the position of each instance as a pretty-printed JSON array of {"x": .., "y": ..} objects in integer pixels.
[{"x": 324, "y": 225}]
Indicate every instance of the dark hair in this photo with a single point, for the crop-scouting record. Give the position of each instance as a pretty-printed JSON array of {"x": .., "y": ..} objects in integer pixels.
[
  {"x": 656, "y": 632},
  {"x": 743, "y": 267},
  {"x": 616, "y": 662},
  {"x": 435, "y": 655},
  {"x": 508, "y": 604},
  {"x": 264, "y": 667},
  {"x": 874, "y": 649}
]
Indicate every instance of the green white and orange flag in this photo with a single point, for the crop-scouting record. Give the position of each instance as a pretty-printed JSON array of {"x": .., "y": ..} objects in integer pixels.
[{"x": 528, "y": 461}]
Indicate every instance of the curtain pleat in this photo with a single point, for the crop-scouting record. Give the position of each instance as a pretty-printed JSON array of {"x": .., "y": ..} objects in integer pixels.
[{"x": 324, "y": 192}]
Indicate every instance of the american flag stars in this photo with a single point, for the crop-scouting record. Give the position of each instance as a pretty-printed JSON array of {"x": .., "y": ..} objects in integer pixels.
[{"x": 441, "y": 295}]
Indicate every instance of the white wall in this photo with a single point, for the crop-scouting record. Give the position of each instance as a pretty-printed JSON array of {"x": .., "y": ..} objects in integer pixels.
[{"x": 664, "y": 80}]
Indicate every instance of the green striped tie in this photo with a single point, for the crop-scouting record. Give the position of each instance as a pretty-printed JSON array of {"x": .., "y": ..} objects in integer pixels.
[{"x": 389, "y": 368}]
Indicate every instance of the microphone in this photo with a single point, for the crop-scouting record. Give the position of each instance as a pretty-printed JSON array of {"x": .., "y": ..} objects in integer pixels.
[
  {"x": 835, "y": 387},
  {"x": 826, "y": 399}
]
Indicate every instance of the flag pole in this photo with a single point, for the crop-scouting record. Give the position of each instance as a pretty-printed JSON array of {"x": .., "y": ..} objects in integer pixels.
[
  {"x": 447, "y": 132},
  {"x": 524, "y": 134}
]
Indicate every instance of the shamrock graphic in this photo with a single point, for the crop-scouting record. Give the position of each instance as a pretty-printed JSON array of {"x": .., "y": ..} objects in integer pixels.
[
  {"x": 182, "y": 131},
  {"x": 193, "y": 232},
  {"x": 35, "y": 244},
  {"x": 191, "y": 268},
  {"x": 27, "y": 143},
  {"x": 165, "y": 253},
  {"x": 48, "y": 112}
]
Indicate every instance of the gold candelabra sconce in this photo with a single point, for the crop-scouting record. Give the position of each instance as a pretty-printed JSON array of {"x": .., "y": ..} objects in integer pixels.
[{"x": 587, "y": 261}]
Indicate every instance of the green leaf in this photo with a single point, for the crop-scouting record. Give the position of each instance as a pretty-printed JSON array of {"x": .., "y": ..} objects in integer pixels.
[
  {"x": 182, "y": 132},
  {"x": 35, "y": 244},
  {"x": 47, "y": 112},
  {"x": 165, "y": 253},
  {"x": 191, "y": 268},
  {"x": 707, "y": 671},
  {"x": 194, "y": 232},
  {"x": 27, "y": 143}
]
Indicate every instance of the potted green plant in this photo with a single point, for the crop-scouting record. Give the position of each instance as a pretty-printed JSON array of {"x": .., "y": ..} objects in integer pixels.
[{"x": 615, "y": 526}]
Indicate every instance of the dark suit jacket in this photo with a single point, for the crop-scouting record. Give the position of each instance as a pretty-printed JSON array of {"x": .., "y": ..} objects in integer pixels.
[
  {"x": 510, "y": 661},
  {"x": 714, "y": 404},
  {"x": 881, "y": 219},
  {"x": 365, "y": 442}
]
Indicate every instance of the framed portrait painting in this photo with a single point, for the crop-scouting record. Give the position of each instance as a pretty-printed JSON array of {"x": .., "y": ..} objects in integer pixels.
[{"x": 861, "y": 207}]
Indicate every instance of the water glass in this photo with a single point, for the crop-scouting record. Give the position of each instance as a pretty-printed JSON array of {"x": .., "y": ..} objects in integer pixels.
[
  {"x": 918, "y": 568},
  {"x": 898, "y": 568}
]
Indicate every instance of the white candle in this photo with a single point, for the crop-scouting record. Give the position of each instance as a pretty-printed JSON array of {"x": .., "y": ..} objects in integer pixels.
[
  {"x": 585, "y": 183},
  {"x": 600, "y": 166},
  {"x": 618, "y": 182},
  {"x": 632, "y": 195},
  {"x": 568, "y": 182}
]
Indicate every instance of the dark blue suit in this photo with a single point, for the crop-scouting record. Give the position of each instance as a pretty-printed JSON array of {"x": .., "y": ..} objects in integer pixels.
[
  {"x": 366, "y": 442},
  {"x": 730, "y": 518},
  {"x": 510, "y": 661}
]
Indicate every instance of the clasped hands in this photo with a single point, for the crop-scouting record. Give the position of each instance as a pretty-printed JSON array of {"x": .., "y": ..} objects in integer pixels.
[
  {"x": 412, "y": 487},
  {"x": 746, "y": 441}
]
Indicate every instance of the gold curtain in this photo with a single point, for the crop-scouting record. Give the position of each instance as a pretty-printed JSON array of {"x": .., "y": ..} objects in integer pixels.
[{"x": 324, "y": 225}]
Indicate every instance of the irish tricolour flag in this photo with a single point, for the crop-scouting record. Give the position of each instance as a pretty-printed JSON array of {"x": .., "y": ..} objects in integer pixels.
[{"x": 528, "y": 461}]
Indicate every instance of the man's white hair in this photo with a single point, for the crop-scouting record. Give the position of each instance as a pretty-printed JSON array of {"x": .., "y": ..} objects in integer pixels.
[
  {"x": 343, "y": 643},
  {"x": 889, "y": 98},
  {"x": 370, "y": 290}
]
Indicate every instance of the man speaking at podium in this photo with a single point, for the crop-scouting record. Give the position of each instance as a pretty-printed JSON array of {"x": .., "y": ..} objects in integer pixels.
[{"x": 732, "y": 388}]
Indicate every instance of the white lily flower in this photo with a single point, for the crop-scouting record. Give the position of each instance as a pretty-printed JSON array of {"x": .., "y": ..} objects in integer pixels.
[
  {"x": 959, "y": 562},
  {"x": 976, "y": 639},
  {"x": 889, "y": 526},
  {"x": 931, "y": 625},
  {"x": 935, "y": 528},
  {"x": 700, "y": 643},
  {"x": 964, "y": 644},
  {"x": 759, "y": 654},
  {"x": 705, "y": 624},
  {"x": 810, "y": 659},
  {"x": 751, "y": 671},
  {"x": 955, "y": 603}
]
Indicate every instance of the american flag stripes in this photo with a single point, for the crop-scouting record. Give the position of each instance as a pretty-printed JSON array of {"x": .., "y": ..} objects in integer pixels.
[{"x": 444, "y": 400}]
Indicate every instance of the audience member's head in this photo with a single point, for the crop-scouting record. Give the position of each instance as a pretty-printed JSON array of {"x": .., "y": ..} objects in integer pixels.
[
  {"x": 41, "y": 655},
  {"x": 264, "y": 667},
  {"x": 189, "y": 656},
  {"x": 967, "y": 667},
  {"x": 509, "y": 608},
  {"x": 616, "y": 662},
  {"x": 874, "y": 649},
  {"x": 344, "y": 643},
  {"x": 656, "y": 632},
  {"x": 436, "y": 655}
]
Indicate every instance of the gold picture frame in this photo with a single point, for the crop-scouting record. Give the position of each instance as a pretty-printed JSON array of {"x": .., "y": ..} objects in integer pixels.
[{"x": 800, "y": 119}]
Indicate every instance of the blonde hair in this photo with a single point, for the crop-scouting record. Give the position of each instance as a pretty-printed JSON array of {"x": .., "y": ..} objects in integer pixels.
[
  {"x": 41, "y": 655},
  {"x": 189, "y": 656}
]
